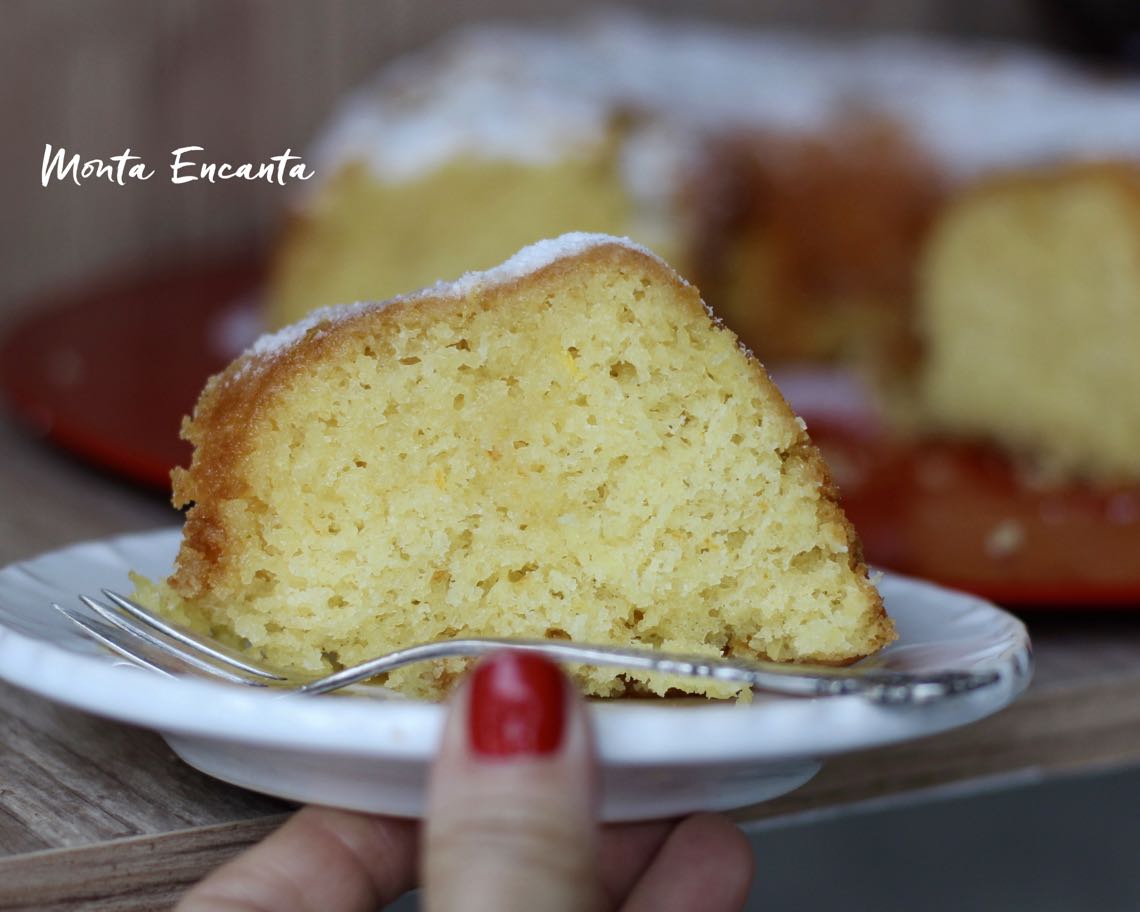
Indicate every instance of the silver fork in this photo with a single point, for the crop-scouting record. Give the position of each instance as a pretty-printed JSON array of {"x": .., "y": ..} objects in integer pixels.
[{"x": 137, "y": 634}]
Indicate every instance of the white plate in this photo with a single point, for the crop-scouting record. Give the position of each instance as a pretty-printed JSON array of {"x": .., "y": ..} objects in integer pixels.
[{"x": 659, "y": 758}]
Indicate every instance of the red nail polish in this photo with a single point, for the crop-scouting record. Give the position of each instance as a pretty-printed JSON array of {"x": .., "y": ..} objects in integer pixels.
[{"x": 518, "y": 706}]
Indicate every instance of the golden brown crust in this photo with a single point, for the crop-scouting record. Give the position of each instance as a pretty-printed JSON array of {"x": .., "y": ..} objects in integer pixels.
[
  {"x": 805, "y": 450},
  {"x": 808, "y": 453},
  {"x": 807, "y": 244},
  {"x": 228, "y": 414}
]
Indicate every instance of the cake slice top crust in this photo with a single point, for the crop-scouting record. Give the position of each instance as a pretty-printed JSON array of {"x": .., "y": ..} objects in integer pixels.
[{"x": 529, "y": 260}]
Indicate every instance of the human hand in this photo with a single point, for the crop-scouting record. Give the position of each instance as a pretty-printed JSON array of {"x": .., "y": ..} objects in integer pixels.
[{"x": 510, "y": 825}]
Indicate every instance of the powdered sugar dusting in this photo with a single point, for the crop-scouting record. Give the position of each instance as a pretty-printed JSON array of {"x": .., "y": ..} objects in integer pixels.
[
  {"x": 526, "y": 262},
  {"x": 272, "y": 344},
  {"x": 533, "y": 258}
]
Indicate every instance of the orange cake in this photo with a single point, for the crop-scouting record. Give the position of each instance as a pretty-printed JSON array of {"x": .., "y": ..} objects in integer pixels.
[
  {"x": 565, "y": 446},
  {"x": 1029, "y": 316}
]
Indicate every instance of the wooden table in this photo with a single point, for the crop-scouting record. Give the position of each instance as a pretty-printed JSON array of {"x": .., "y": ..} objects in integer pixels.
[{"x": 95, "y": 815}]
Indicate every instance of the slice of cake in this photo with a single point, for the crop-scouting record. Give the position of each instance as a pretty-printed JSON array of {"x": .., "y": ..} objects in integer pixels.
[
  {"x": 566, "y": 446},
  {"x": 1030, "y": 320}
]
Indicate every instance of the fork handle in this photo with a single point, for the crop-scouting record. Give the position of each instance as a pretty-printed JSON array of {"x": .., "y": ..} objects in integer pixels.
[{"x": 887, "y": 687}]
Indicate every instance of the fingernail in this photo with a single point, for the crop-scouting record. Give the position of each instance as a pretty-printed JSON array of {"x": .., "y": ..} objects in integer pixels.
[{"x": 518, "y": 706}]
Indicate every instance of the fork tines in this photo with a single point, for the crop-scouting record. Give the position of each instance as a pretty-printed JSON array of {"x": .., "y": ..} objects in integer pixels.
[{"x": 137, "y": 634}]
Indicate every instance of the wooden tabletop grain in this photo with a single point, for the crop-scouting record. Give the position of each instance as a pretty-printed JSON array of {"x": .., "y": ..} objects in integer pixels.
[{"x": 96, "y": 815}]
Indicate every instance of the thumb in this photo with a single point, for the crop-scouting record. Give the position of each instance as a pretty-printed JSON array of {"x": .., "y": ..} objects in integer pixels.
[{"x": 510, "y": 817}]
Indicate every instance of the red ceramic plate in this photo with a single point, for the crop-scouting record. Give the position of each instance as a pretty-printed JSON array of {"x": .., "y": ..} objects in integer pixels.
[
  {"x": 958, "y": 513},
  {"x": 109, "y": 370}
]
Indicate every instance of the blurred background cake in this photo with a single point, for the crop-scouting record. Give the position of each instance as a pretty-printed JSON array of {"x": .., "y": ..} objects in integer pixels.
[{"x": 794, "y": 177}]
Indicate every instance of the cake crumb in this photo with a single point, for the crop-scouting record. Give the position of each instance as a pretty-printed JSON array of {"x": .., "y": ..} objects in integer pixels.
[{"x": 1004, "y": 539}]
